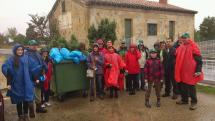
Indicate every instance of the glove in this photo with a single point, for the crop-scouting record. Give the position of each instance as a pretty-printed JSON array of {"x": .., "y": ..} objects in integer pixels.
[
  {"x": 122, "y": 71},
  {"x": 197, "y": 74},
  {"x": 109, "y": 65}
]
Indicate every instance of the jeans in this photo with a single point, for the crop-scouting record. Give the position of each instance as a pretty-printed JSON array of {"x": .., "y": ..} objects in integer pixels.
[{"x": 99, "y": 85}]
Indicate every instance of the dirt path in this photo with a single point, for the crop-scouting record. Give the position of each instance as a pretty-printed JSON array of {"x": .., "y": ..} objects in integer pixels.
[{"x": 126, "y": 108}]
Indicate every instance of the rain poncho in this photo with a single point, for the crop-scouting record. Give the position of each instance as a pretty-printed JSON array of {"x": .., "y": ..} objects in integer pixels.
[
  {"x": 186, "y": 65},
  {"x": 112, "y": 74},
  {"x": 22, "y": 86}
]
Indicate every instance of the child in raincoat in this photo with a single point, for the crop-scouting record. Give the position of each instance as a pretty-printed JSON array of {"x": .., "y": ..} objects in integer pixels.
[
  {"x": 153, "y": 76},
  {"x": 19, "y": 84},
  {"x": 45, "y": 92}
]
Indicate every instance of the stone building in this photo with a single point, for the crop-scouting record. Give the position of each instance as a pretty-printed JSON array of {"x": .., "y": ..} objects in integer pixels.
[{"x": 136, "y": 19}]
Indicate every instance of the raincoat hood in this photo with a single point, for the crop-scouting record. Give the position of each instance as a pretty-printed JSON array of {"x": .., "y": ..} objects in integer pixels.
[{"x": 16, "y": 47}]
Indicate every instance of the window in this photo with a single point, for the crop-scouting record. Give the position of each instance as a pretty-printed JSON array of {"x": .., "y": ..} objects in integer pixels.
[
  {"x": 63, "y": 6},
  {"x": 171, "y": 29},
  {"x": 152, "y": 29},
  {"x": 128, "y": 31}
]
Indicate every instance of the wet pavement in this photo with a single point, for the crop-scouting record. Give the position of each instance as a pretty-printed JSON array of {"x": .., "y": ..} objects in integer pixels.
[{"x": 125, "y": 108}]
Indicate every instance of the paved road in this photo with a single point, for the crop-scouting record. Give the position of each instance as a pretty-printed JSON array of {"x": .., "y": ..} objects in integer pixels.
[{"x": 125, "y": 108}]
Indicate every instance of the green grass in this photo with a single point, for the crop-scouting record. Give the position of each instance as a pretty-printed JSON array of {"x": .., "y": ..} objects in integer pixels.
[{"x": 206, "y": 89}]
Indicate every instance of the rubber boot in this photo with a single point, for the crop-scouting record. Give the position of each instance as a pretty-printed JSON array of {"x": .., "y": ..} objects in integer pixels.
[
  {"x": 26, "y": 117},
  {"x": 158, "y": 103},
  {"x": 31, "y": 110},
  {"x": 39, "y": 109},
  {"x": 147, "y": 104}
]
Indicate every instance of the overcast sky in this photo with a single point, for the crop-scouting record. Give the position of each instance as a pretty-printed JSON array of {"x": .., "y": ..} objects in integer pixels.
[{"x": 14, "y": 13}]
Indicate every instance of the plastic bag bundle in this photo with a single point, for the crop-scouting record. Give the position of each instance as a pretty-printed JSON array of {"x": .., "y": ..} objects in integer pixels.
[
  {"x": 79, "y": 55},
  {"x": 56, "y": 55},
  {"x": 65, "y": 53}
]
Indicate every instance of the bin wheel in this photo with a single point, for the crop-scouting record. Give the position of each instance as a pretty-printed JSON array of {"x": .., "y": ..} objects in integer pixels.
[{"x": 60, "y": 98}]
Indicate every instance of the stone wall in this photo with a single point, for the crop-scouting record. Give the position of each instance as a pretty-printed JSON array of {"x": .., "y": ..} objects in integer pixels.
[{"x": 79, "y": 17}]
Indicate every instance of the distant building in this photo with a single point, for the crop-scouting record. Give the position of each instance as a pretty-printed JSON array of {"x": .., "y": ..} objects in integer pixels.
[{"x": 136, "y": 19}]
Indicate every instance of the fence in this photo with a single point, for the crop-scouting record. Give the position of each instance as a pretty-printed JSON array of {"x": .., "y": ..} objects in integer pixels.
[
  {"x": 207, "y": 49},
  {"x": 208, "y": 53}
]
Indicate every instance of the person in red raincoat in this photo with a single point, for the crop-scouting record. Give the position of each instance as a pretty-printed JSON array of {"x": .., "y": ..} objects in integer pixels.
[
  {"x": 188, "y": 70},
  {"x": 132, "y": 66},
  {"x": 113, "y": 65}
]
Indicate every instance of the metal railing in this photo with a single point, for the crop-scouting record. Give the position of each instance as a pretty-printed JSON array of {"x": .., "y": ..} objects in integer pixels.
[{"x": 209, "y": 70}]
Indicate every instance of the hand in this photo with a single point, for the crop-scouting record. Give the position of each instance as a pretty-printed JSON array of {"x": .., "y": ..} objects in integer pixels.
[
  {"x": 9, "y": 87},
  {"x": 146, "y": 85},
  {"x": 161, "y": 81},
  {"x": 197, "y": 74},
  {"x": 37, "y": 81}
]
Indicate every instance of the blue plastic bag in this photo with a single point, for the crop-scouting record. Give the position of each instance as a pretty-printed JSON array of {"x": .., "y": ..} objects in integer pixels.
[
  {"x": 56, "y": 55},
  {"x": 65, "y": 53}
]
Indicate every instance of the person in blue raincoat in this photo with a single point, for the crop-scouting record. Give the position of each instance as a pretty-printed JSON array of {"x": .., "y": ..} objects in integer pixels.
[
  {"x": 20, "y": 86},
  {"x": 39, "y": 68}
]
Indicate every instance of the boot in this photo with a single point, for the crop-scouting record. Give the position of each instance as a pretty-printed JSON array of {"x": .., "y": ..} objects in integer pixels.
[
  {"x": 158, "y": 103},
  {"x": 181, "y": 103},
  {"x": 21, "y": 118},
  {"x": 193, "y": 106},
  {"x": 175, "y": 96},
  {"x": 116, "y": 94},
  {"x": 26, "y": 117},
  {"x": 147, "y": 104},
  {"x": 91, "y": 98},
  {"x": 31, "y": 110},
  {"x": 39, "y": 109}
]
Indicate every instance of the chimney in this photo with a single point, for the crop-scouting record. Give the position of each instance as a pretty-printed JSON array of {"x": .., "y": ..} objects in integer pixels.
[{"x": 163, "y": 1}]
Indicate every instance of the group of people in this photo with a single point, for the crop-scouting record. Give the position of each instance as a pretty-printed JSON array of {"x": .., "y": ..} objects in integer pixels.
[
  {"x": 28, "y": 75},
  {"x": 176, "y": 65}
]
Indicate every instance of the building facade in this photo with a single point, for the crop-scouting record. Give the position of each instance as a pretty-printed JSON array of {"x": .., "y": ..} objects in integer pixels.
[{"x": 136, "y": 19}]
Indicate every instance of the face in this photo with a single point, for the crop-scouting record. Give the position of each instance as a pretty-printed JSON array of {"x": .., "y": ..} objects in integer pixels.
[
  {"x": 162, "y": 46},
  {"x": 109, "y": 43},
  {"x": 19, "y": 51},
  {"x": 169, "y": 43},
  {"x": 33, "y": 47},
  {"x": 153, "y": 55},
  {"x": 184, "y": 40},
  {"x": 95, "y": 49},
  {"x": 45, "y": 54},
  {"x": 101, "y": 45}
]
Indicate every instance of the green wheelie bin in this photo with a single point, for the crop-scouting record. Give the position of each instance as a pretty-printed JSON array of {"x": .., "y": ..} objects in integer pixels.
[{"x": 69, "y": 77}]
